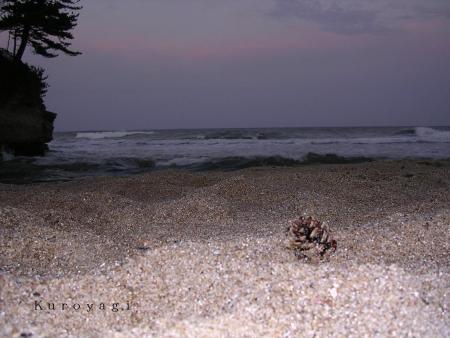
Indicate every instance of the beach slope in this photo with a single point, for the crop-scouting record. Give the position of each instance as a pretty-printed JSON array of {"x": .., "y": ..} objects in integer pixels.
[{"x": 175, "y": 253}]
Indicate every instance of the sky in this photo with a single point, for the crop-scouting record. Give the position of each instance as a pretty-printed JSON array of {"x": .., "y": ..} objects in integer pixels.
[{"x": 161, "y": 64}]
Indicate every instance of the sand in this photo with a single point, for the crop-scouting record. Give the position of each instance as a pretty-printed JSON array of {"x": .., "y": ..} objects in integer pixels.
[{"x": 204, "y": 254}]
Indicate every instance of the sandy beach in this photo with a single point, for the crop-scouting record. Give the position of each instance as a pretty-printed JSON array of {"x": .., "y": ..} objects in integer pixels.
[{"x": 182, "y": 254}]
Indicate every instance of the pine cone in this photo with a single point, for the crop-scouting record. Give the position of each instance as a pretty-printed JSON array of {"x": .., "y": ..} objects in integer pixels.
[{"x": 309, "y": 233}]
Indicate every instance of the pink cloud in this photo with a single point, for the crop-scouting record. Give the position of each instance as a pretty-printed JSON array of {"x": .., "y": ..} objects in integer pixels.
[{"x": 297, "y": 41}]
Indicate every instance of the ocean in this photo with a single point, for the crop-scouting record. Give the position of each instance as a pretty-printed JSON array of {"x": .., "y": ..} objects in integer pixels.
[{"x": 82, "y": 154}]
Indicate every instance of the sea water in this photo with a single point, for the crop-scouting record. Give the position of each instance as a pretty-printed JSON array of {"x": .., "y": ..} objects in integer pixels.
[{"x": 122, "y": 152}]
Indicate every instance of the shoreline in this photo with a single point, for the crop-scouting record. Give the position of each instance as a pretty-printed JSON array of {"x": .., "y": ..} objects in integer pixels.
[
  {"x": 203, "y": 254},
  {"x": 116, "y": 153}
]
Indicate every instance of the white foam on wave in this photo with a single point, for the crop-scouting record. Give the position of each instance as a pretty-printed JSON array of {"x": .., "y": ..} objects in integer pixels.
[
  {"x": 432, "y": 135},
  {"x": 424, "y": 134},
  {"x": 362, "y": 140},
  {"x": 111, "y": 134}
]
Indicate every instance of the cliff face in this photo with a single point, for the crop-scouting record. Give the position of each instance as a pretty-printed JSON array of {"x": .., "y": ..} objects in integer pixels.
[
  {"x": 25, "y": 125},
  {"x": 26, "y": 130}
]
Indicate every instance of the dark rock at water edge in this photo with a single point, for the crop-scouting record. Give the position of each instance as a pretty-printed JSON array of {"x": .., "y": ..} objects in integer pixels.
[
  {"x": 25, "y": 131},
  {"x": 25, "y": 125}
]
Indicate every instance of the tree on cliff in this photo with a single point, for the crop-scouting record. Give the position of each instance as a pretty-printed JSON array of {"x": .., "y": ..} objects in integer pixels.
[{"x": 44, "y": 24}]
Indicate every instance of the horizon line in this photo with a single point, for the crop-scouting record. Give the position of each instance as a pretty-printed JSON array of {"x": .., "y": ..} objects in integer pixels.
[{"x": 214, "y": 128}]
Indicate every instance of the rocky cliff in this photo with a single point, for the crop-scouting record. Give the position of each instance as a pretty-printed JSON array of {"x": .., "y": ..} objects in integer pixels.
[{"x": 25, "y": 125}]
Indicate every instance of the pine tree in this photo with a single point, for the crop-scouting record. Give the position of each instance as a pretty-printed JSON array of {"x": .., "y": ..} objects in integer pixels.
[{"x": 46, "y": 25}]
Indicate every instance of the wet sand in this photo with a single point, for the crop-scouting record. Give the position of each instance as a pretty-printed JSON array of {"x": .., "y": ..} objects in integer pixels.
[{"x": 204, "y": 255}]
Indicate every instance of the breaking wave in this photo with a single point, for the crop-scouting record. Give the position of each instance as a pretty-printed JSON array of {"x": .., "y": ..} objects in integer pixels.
[
  {"x": 432, "y": 135},
  {"x": 425, "y": 134},
  {"x": 27, "y": 172},
  {"x": 111, "y": 134},
  {"x": 236, "y": 135},
  {"x": 241, "y": 162}
]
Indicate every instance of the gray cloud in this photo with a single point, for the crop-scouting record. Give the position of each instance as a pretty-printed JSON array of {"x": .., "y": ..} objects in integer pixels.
[
  {"x": 360, "y": 17},
  {"x": 334, "y": 17},
  {"x": 433, "y": 12}
]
